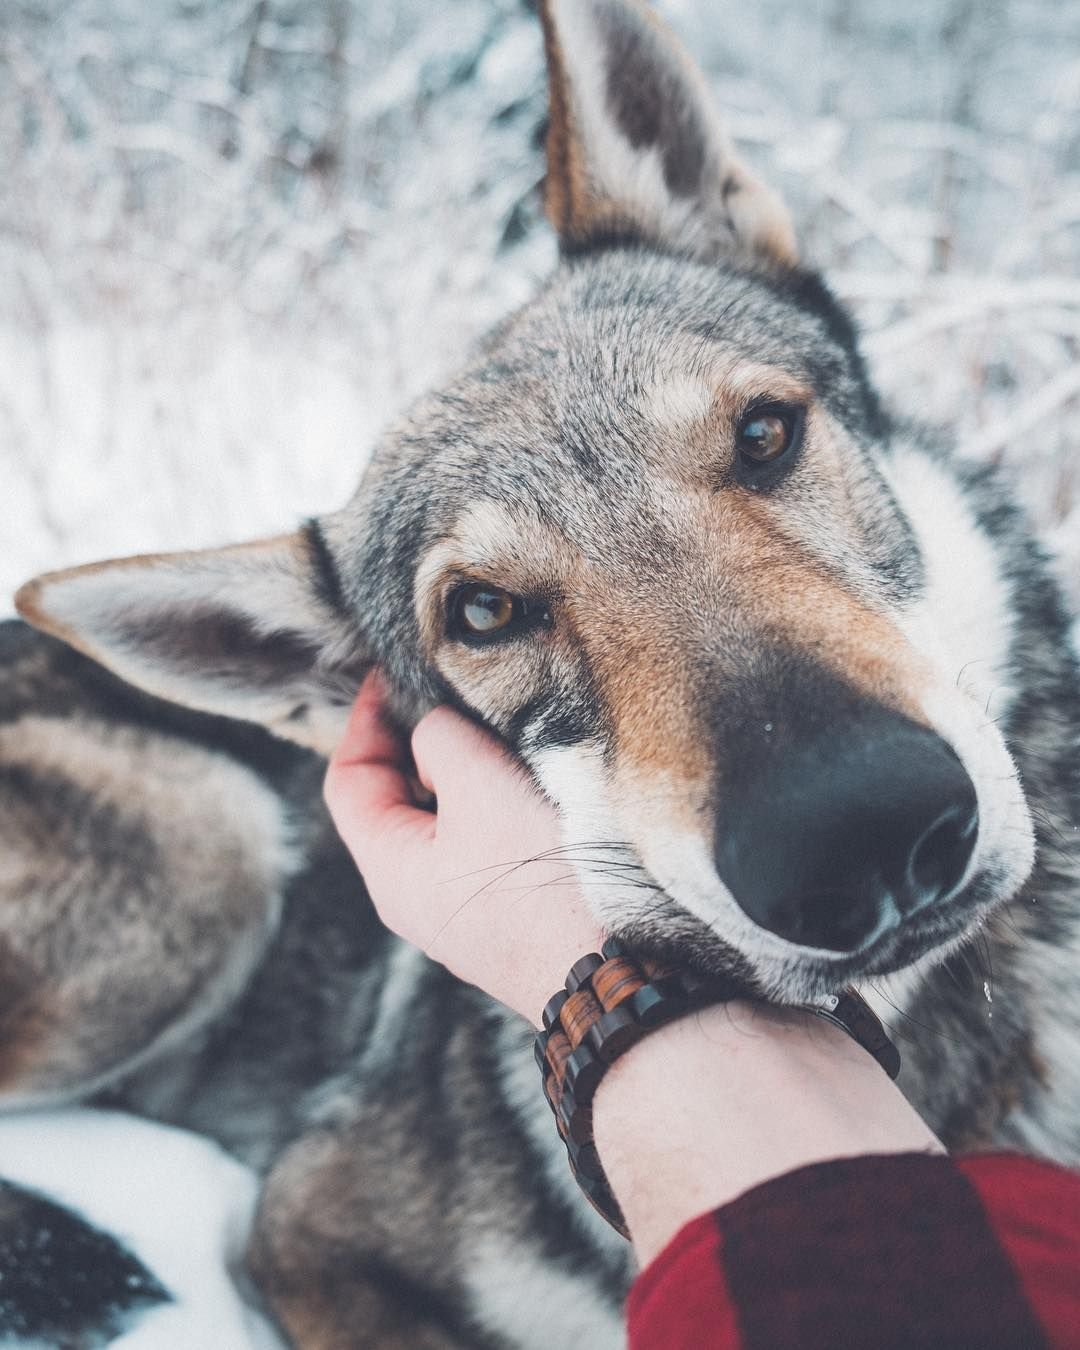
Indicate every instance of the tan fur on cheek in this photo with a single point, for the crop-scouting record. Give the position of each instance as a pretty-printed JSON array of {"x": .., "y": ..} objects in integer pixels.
[
  {"x": 860, "y": 647},
  {"x": 642, "y": 674},
  {"x": 796, "y": 604},
  {"x": 651, "y": 642}
]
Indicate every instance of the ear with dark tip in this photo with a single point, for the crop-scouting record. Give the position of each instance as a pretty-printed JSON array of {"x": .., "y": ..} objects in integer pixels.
[
  {"x": 634, "y": 148},
  {"x": 256, "y": 631}
]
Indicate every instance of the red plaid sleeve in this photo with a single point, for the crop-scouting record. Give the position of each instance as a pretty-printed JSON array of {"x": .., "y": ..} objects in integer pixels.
[{"x": 901, "y": 1252}]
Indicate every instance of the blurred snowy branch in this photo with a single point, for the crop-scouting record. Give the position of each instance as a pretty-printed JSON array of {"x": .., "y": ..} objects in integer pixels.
[{"x": 238, "y": 235}]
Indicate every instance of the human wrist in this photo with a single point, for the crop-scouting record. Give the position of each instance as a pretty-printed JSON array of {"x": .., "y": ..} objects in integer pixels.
[{"x": 730, "y": 1096}]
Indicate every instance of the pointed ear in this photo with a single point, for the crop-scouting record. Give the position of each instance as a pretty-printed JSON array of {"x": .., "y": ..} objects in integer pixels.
[
  {"x": 256, "y": 631},
  {"x": 634, "y": 147}
]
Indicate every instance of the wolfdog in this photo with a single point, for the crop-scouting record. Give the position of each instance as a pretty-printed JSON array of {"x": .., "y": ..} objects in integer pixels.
[{"x": 797, "y": 678}]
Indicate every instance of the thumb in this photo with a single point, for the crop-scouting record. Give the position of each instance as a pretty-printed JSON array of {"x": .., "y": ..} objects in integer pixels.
[
  {"x": 457, "y": 759},
  {"x": 366, "y": 787}
]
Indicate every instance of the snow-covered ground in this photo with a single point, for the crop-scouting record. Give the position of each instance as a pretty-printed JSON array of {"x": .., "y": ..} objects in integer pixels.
[{"x": 237, "y": 235}]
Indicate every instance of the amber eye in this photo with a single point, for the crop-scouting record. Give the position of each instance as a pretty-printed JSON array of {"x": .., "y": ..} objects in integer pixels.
[
  {"x": 481, "y": 611},
  {"x": 765, "y": 434}
]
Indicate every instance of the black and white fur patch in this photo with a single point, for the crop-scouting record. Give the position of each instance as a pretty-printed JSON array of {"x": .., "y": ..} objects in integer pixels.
[
  {"x": 63, "y": 1282},
  {"x": 121, "y": 1233}
]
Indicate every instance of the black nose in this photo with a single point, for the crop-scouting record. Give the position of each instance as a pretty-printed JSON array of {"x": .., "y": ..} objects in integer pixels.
[{"x": 831, "y": 839}]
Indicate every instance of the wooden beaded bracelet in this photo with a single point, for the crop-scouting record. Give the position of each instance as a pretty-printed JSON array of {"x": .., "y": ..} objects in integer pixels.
[{"x": 612, "y": 1000}]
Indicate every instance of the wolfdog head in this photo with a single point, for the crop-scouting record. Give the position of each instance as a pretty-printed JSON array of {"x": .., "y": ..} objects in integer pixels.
[{"x": 660, "y": 536}]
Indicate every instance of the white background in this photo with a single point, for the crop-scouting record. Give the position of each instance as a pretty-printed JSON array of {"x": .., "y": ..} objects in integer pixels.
[{"x": 236, "y": 237}]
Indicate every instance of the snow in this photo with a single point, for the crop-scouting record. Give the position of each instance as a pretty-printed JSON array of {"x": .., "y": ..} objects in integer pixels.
[
  {"x": 236, "y": 238},
  {"x": 177, "y": 1202}
]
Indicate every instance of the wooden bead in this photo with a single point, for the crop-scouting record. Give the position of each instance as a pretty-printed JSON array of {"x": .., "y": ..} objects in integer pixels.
[
  {"x": 552, "y": 1008},
  {"x": 579, "y": 1013},
  {"x": 581, "y": 970},
  {"x": 653, "y": 1005},
  {"x": 616, "y": 980},
  {"x": 613, "y": 1034},
  {"x": 584, "y": 1071},
  {"x": 553, "y": 1091},
  {"x": 613, "y": 947},
  {"x": 576, "y": 1118},
  {"x": 585, "y": 1160},
  {"x": 599, "y": 1195},
  {"x": 559, "y": 1051}
]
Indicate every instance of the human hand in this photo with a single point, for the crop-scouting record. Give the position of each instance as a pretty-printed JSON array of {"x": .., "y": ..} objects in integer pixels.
[
  {"x": 475, "y": 884},
  {"x": 735, "y": 1094}
]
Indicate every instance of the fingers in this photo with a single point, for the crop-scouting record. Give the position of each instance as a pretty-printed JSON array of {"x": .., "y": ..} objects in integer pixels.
[
  {"x": 367, "y": 738},
  {"x": 471, "y": 885},
  {"x": 366, "y": 789},
  {"x": 454, "y": 757}
]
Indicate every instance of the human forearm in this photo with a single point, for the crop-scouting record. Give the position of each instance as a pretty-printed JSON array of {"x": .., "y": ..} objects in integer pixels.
[{"x": 722, "y": 1100}]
